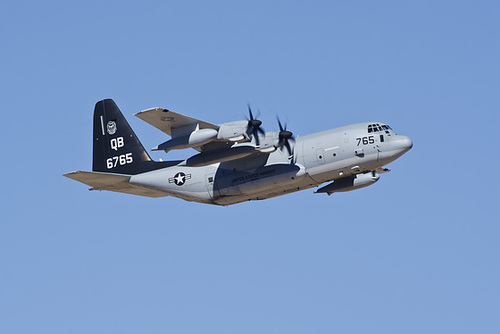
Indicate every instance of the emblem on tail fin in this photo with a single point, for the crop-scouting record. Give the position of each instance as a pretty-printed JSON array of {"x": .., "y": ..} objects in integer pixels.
[
  {"x": 111, "y": 127},
  {"x": 116, "y": 147}
]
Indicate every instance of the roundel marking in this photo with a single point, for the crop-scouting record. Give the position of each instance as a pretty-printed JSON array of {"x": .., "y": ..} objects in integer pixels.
[{"x": 180, "y": 178}]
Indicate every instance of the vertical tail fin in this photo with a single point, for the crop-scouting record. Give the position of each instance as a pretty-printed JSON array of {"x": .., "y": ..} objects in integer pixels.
[{"x": 116, "y": 147}]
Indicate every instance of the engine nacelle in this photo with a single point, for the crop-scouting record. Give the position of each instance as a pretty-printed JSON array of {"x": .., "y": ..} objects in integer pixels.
[
  {"x": 350, "y": 183},
  {"x": 234, "y": 131},
  {"x": 194, "y": 139}
]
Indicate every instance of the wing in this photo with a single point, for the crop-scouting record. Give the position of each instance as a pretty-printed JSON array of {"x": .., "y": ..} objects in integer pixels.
[
  {"x": 172, "y": 123},
  {"x": 188, "y": 132}
]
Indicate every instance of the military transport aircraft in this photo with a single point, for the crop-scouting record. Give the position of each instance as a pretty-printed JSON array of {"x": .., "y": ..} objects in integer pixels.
[{"x": 238, "y": 161}]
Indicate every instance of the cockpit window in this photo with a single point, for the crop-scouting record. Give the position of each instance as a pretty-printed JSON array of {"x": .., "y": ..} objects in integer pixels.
[{"x": 378, "y": 128}]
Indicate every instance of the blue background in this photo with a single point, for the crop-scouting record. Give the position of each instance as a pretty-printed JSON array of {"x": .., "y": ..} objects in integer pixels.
[{"x": 415, "y": 253}]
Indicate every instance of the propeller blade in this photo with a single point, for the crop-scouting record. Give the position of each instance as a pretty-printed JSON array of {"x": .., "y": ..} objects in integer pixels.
[
  {"x": 256, "y": 136},
  {"x": 284, "y": 138},
  {"x": 289, "y": 149},
  {"x": 250, "y": 112},
  {"x": 253, "y": 126},
  {"x": 281, "y": 127}
]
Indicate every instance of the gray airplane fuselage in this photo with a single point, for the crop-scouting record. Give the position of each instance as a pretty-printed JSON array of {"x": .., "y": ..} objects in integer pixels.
[{"x": 339, "y": 154}]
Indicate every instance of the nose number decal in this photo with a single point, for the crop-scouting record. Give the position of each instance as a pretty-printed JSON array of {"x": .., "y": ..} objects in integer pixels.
[{"x": 366, "y": 140}]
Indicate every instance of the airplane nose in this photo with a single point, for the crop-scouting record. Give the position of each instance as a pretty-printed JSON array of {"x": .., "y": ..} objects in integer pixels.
[{"x": 405, "y": 142}]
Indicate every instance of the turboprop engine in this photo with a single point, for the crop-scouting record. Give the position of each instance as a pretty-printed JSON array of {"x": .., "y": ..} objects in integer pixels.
[
  {"x": 233, "y": 131},
  {"x": 193, "y": 139},
  {"x": 350, "y": 183}
]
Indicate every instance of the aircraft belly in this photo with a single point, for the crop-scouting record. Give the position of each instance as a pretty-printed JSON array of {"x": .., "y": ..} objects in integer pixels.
[
  {"x": 329, "y": 172},
  {"x": 246, "y": 183},
  {"x": 277, "y": 190},
  {"x": 341, "y": 169}
]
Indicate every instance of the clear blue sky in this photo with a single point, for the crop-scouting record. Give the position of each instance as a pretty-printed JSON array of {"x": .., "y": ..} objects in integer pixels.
[{"x": 416, "y": 253}]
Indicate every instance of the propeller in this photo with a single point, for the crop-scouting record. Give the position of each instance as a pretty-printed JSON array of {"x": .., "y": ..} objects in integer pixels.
[
  {"x": 285, "y": 137},
  {"x": 254, "y": 126}
]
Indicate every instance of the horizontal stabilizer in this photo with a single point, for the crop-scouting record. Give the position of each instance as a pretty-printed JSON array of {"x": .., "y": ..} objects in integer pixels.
[{"x": 113, "y": 182}]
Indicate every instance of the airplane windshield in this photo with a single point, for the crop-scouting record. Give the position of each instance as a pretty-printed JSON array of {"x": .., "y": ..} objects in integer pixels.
[{"x": 378, "y": 128}]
